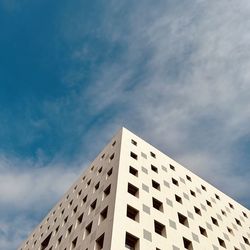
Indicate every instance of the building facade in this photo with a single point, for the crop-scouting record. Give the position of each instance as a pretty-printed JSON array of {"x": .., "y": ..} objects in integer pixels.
[{"x": 133, "y": 196}]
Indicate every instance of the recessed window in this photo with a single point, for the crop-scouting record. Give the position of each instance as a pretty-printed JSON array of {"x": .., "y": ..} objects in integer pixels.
[
  {"x": 188, "y": 178},
  {"x": 230, "y": 205},
  {"x": 192, "y": 193},
  {"x": 85, "y": 199},
  {"x": 156, "y": 185},
  {"x": 223, "y": 212},
  {"x": 73, "y": 244},
  {"x": 75, "y": 209},
  {"x": 113, "y": 144},
  {"x": 99, "y": 242},
  {"x": 109, "y": 173},
  {"x": 65, "y": 220},
  {"x": 203, "y": 231},
  {"x": 172, "y": 167},
  {"x": 107, "y": 191},
  {"x": 133, "y": 142},
  {"x": 132, "y": 213},
  {"x": 246, "y": 240},
  {"x": 133, "y": 171},
  {"x": 88, "y": 183},
  {"x": 133, "y": 155},
  {"x": 133, "y": 190},
  {"x": 230, "y": 230},
  {"x": 203, "y": 188},
  {"x": 183, "y": 219},
  {"x": 178, "y": 199},
  {"x": 59, "y": 240},
  {"x": 217, "y": 196},
  {"x": 103, "y": 156},
  {"x": 153, "y": 154},
  {"x": 100, "y": 170},
  {"x": 175, "y": 182},
  {"x": 112, "y": 157},
  {"x": 157, "y": 204},
  {"x": 154, "y": 168},
  {"x": 159, "y": 228},
  {"x": 187, "y": 244},
  {"x": 70, "y": 229},
  {"x": 222, "y": 242},
  {"x": 238, "y": 222},
  {"x": 79, "y": 193},
  {"x": 97, "y": 185},
  {"x": 93, "y": 205},
  {"x": 88, "y": 228},
  {"x": 197, "y": 210},
  {"x": 209, "y": 203},
  {"x": 79, "y": 219},
  {"x": 92, "y": 168},
  {"x": 104, "y": 214},
  {"x": 131, "y": 242},
  {"x": 45, "y": 243},
  {"x": 245, "y": 215},
  {"x": 215, "y": 222}
]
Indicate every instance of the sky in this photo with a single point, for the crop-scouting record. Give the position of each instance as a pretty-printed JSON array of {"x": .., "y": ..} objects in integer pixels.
[{"x": 72, "y": 73}]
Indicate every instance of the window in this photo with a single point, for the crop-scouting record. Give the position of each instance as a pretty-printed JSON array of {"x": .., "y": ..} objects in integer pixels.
[
  {"x": 131, "y": 242},
  {"x": 103, "y": 156},
  {"x": 79, "y": 219},
  {"x": 93, "y": 205},
  {"x": 203, "y": 187},
  {"x": 88, "y": 183},
  {"x": 109, "y": 173},
  {"x": 70, "y": 229},
  {"x": 133, "y": 155},
  {"x": 238, "y": 222},
  {"x": 106, "y": 192},
  {"x": 73, "y": 244},
  {"x": 133, "y": 190},
  {"x": 188, "y": 178},
  {"x": 100, "y": 170},
  {"x": 133, "y": 142},
  {"x": 79, "y": 193},
  {"x": 113, "y": 144},
  {"x": 92, "y": 169},
  {"x": 45, "y": 243},
  {"x": 99, "y": 242},
  {"x": 183, "y": 220},
  {"x": 222, "y": 242},
  {"x": 153, "y": 154},
  {"x": 175, "y": 182},
  {"x": 187, "y": 244},
  {"x": 215, "y": 222},
  {"x": 172, "y": 167},
  {"x": 245, "y": 215},
  {"x": 104, "y": 214},
  {"x": 59, "y": 240},
  {"x": 97, "y": 185},
  {"x": 230, "y": 230},
  {"x": 203, "y": 231},
  {"x": 159, "y": 228},
  {"x": 197, "y": 210},
  {"x": 133, "y": 171},
  {"x": 65, "y": 220},
  {"x": 132, "y": 213},
  {"x": 192, "y": 193},
  {"x": 88, "y": 228},
  {"x": 112, "y": 157},
  {"x": 209, "y": 203},
  {"x": 75, "y": 209},
  {"x": 223, "y": 212},
  {"x": 217, "y": 196},
  {"x": 156, "y": 185},
  {"x": 157, "y": 204},
  {"x": 85, "y": 199},
  {"x": 230, "y": 205},
  {"x": 154, "y": 168},
  {"x": 178, "y": 199},
  {"x": 246, "y": 240}
]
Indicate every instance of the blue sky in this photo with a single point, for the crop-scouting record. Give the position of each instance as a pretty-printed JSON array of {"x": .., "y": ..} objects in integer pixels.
[{"x": 73, "y": 72}]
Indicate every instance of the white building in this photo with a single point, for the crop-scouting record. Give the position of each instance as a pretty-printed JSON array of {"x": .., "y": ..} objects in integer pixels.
[{"x": 135, "y": 197}]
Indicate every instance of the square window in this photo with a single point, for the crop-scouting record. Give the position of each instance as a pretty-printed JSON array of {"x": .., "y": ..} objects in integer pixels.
[
  {"x": 133, "y": 155},
  {"x": 209, "y": 203},
  {"x": 133, "y": 190},
  {"x": 230, "y": 205},
  {"x": 157, "y": 204},
  {"x": 187, "y": 244},
  {"x": 156, "y": 185},
  {"x": 160, "y": 228},
  {"x": 99, "y": 242},
  {"x": 188, "y": 178},
  {"x": 183, "y": 219},
  {"x": 178, "y": 199},
  {"x": 131, "y": 242},
  {"x": 132, "y": 213},
  {"x": 217, "y": 196},
  {"x": 203, "y": 231},
  {"x": 175, "y": 182},
  {"x": 203, "y": 187},
  {"x": 133, "y": 142},
  {"x": 154, "y": 168},
  {"x": 153, "y": 154},
  {"x": 172, "y": 167},
  {"x": 246, "y": 240},
  {"x": 192, "y": 193},
  {"x": 133, "y": 171},
  {"x": 222, "y": 242},
  {"x": 197, "y": 210},
  {"x": 238, "y": 222}
]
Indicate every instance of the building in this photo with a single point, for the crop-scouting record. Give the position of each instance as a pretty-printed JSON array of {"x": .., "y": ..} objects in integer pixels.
[{"x": 135, "y": 197}]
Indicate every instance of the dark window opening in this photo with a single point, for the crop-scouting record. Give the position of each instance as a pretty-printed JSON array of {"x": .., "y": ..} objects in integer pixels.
[
  {"x": 222, "y": 242},
  {"x": 156, "y": 185},
  {"x": 133, "y": 190},
  {"x": 203, "y": 231},
  {"x": 154, "y": 168},
  {"x": 178, "y": 199},
  {"x": 131, "y": 242},
  {"x": 187, "y": 244},
  {"x": 175, "y": 182},
  {"x": 157, "y": 204},
  {"x": 133, "y": 171},
  {"x": 132, "y": 213},
  {"x": 100, "y": 242},
  {"x": 183, "y": 220},
  {"x": 46, "y": 241},
  {"x": 133, "y": 155},
  {"x": 160, "y": 228}
]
